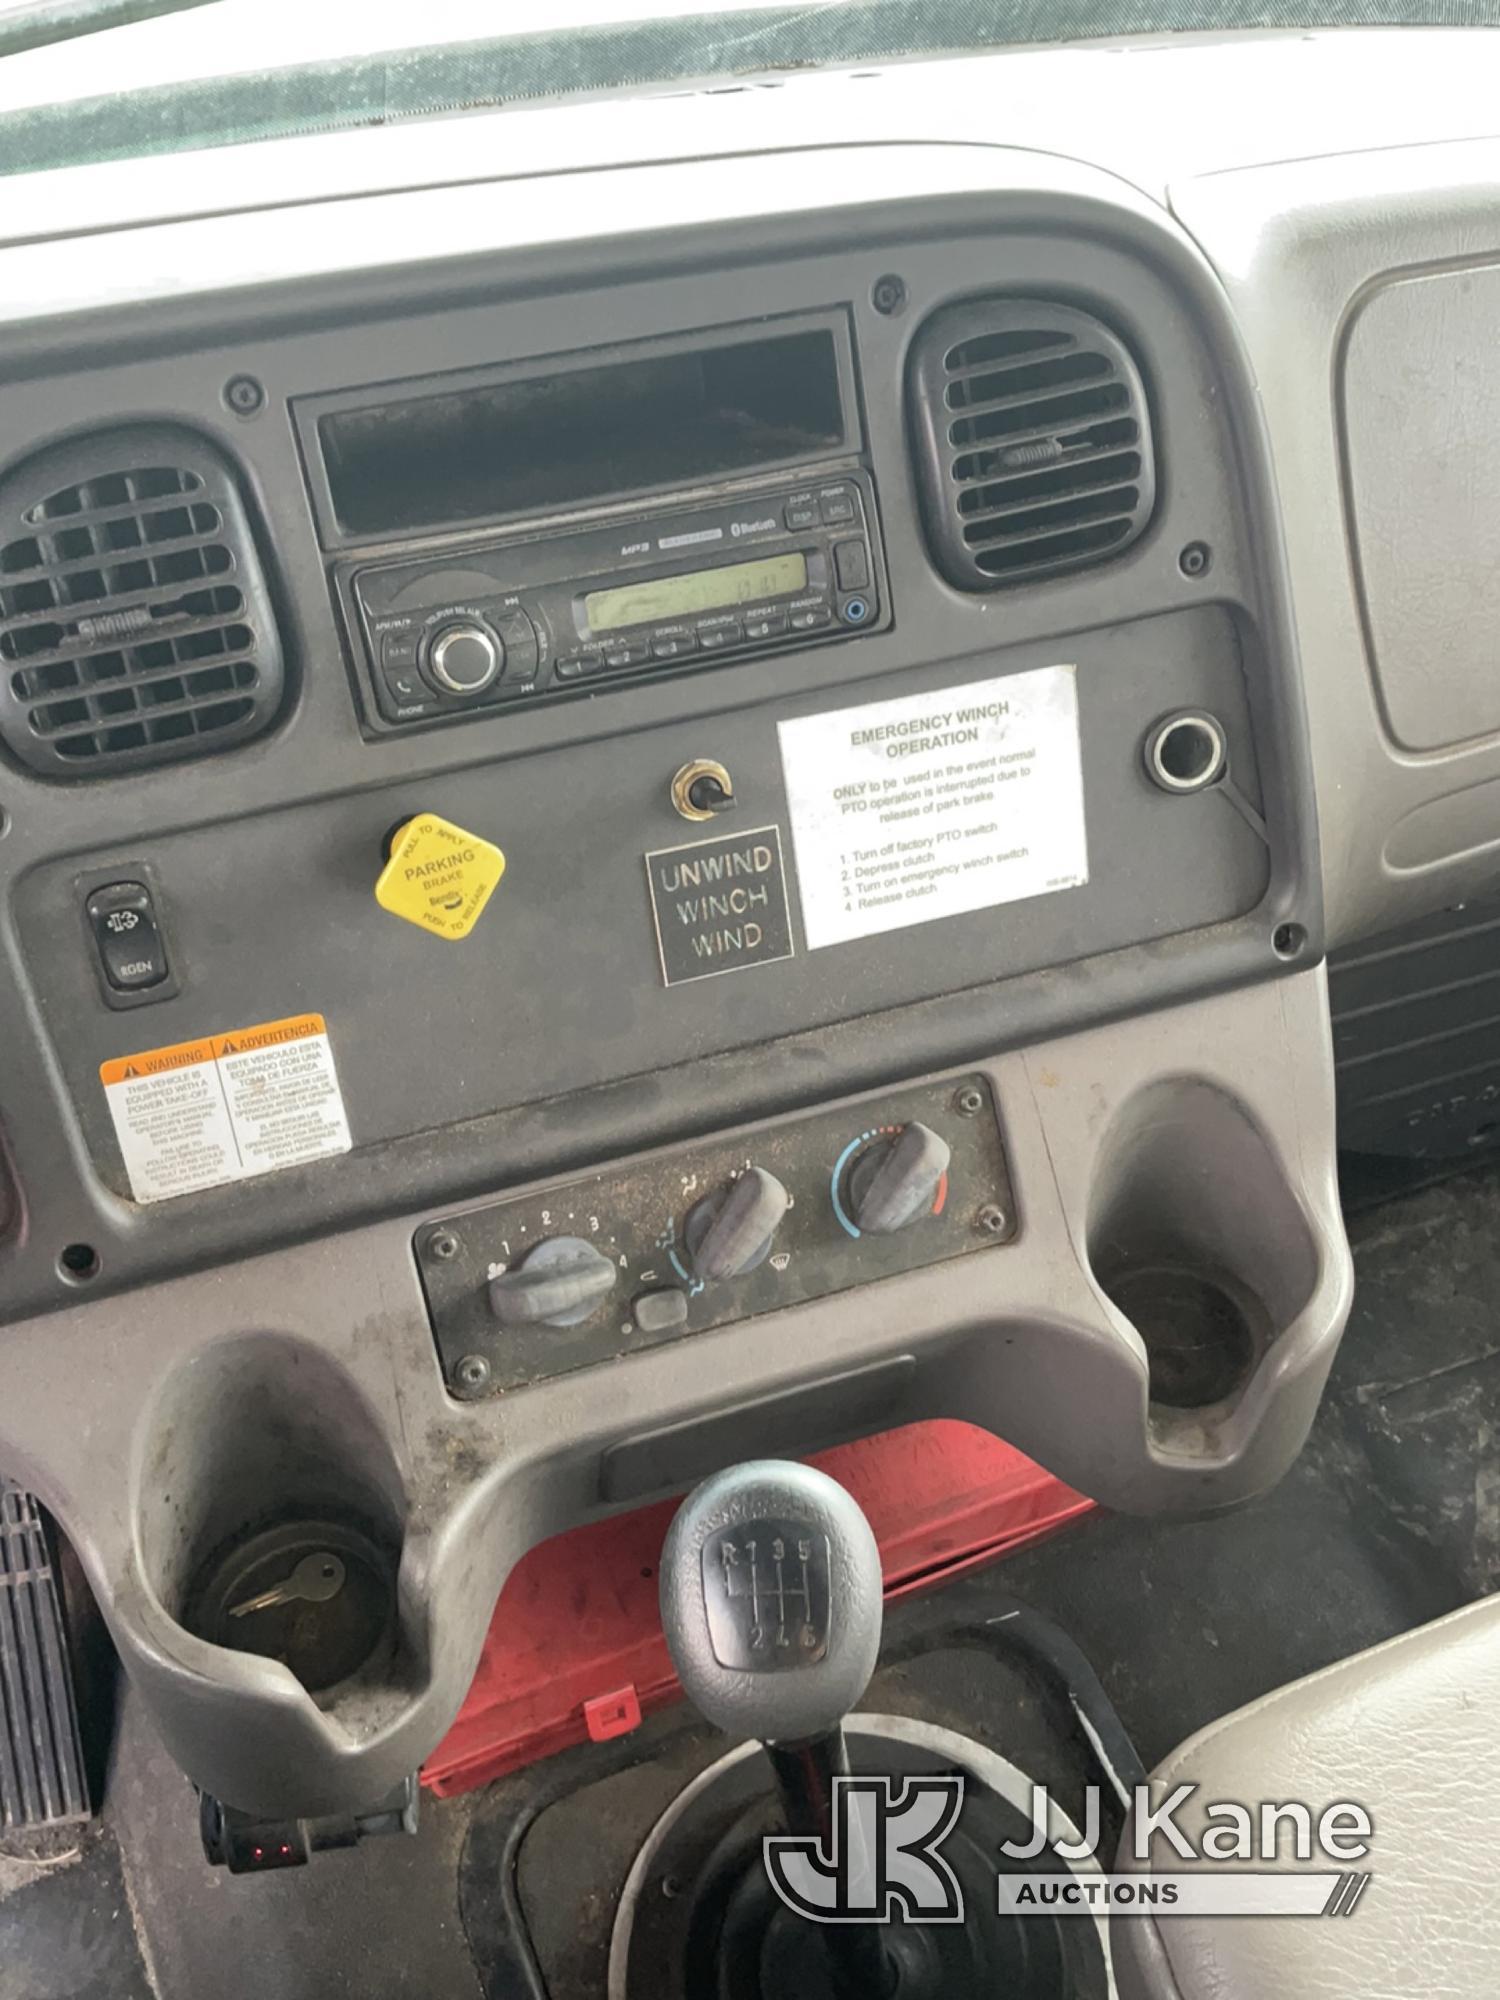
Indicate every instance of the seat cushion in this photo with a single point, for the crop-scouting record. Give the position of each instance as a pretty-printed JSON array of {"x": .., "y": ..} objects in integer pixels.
[{"x": 1410, "y": 1731}]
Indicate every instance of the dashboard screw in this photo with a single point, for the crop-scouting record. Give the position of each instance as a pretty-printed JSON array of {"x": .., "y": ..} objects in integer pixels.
[
  {"x": 472, "y": 1372},
  {"x": 442, "y": 1243},
  {"x": 888, "y": 294},
  {"x": 1288, "y": 939},
  {"x": 1195, "y": 559},
  {"x": 992, "y": 1219},
  {"x": 969, "y": 1102},
  {"x": 244, "y": 395}
]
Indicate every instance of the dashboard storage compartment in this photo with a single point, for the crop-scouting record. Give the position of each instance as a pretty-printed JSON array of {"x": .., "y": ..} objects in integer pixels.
[
  {"x": 270, "y": 1516},
  {"x": 1197, "y": 1239},
  {"x": 582, "y": 427}
]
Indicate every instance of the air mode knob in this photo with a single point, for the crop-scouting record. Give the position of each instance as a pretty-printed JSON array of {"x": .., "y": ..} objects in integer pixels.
[
  {"x": 896, "y": 1180},
  {"x": 559, "y": 1283},
  {"x": 465, "y": 658},
  {"x": 731, "y": 1232}
]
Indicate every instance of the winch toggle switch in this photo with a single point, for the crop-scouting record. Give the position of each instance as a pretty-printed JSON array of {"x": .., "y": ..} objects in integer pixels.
[
  {"x": 438, "y": 876},
  {"x": 702, "y": 788}
]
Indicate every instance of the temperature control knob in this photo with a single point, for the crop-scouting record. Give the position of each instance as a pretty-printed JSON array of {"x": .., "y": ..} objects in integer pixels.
[
  {"x": 896, "y": 1180},
  {"x": 731, "y": 1232},
  {"x": 559, "y": 1283},
  {"x": 465, "y": 658}
]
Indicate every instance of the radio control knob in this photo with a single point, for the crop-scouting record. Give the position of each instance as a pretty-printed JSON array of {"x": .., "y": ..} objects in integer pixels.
[
  {"x": 466, "y": 658},
  {"x": 897, "y": 1179},
  {"x": 559, "y": 1283},
  {"x": 731, "y": 1232}
]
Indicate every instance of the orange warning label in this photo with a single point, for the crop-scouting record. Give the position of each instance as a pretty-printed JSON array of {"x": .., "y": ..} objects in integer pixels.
[
  {"x": 272, "y": 1034},
  {"x": 181, "y": 1055},
  {"x": 200, "y": 1114}
]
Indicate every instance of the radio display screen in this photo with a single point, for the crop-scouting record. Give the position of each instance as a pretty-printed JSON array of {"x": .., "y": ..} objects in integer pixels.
[{"x": 700, "y": 590}]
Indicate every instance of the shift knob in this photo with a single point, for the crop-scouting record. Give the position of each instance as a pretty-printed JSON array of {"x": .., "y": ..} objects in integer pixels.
[{"x": 771, "y": 1599}]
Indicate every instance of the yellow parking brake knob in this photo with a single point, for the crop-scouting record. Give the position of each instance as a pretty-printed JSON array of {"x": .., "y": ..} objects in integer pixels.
[{"x": 438, "y": 876}]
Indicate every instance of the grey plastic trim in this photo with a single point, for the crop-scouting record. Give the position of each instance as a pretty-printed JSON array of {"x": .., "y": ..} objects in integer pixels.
[
  {"x": 1302, "y": 248},
  {"x": 569, "y": 233},
  {"x": 340, "y": 1395},
  {"x": 150, "y": 1420}
]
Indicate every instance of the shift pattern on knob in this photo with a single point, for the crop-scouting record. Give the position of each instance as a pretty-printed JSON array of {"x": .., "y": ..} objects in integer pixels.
[
  {"x": 559, "y": 1283},
  {"x": 731, "y": 1232},
  {"x": 897, "y": 1179},
  {"x": 766, "y": 1590}
]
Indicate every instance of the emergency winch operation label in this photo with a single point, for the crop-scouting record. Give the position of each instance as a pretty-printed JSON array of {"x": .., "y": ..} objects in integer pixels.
[
  {"x": 935, "y": 805},
  {"x": 202, "y": 1114}
]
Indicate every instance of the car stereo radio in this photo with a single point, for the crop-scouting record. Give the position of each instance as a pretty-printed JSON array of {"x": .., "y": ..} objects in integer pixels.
[{"x": 542, "y": 615}]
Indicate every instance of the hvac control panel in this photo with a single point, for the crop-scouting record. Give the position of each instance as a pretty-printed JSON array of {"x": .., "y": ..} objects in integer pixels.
[{"x": 522, "y": 1290}]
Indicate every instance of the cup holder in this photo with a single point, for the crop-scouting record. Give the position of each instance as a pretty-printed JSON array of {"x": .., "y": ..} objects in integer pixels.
[
  {"x": 1202, "y": 1341},
  {"x": 270, "y": 1515},
  {"x": 1197, "y": 1238}
]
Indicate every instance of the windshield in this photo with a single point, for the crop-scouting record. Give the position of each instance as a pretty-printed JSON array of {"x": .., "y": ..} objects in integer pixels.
[{"x": 89, "y": 80}]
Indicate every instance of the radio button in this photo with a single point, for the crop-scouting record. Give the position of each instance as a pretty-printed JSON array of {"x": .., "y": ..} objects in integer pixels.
[
  {"x": 802, "y": 515},
  {"x": 629, "y": 653},
  {"x": 804, "y": 621},
  {"x": 576, "y": 665},
  {"x": 406, "y": 686},
  {"x": 518, "y": 636},
  {"x": 710, "y": 637},
  {"x": 767, "y": 626},
  {"x": 672, "y": 648},
  {"x": 838, "y": 506},
  {"x": 660, "y": 1311},
  {"x": 465, "y": 659},
  {"x": 851, "y": 562},
  {"x": 398, "y": 649}
]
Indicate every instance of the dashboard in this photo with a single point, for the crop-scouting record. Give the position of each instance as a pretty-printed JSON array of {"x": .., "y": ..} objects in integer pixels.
[{"x": 661, "y": 808}]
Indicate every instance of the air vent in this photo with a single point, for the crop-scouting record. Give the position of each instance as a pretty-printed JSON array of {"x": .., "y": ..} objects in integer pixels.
[
  {"x": 135, "y": 624},
  {"x": 1033, "y": 441}
]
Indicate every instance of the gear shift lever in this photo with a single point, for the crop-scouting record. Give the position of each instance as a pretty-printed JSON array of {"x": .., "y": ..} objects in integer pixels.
[{"x": 771, "y": 1599}]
